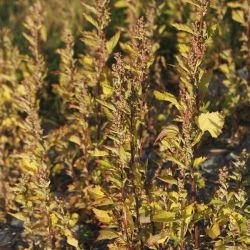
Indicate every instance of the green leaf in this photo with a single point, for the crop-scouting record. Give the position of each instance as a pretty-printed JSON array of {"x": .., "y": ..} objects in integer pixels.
[
  {"x": 107, "y": 235},
  {"x": 183, "y": 27},
  {"x": 238, "y": 16},
  {"x": 214, "y": 231},
  {"x": 167, "y": 97},
  {"x": 211, "y": 122},
  {"x": 103, "y": 216},
  {"x": 164, "y": 216},
  {"x": 110, "y": 44}
]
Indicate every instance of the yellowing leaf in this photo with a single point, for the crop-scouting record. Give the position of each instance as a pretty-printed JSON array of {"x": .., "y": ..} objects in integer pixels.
[
  {"x": 198, "y": 161},
  {"x": 164, "y": 216},
  {"x": 75, "y": 139},
  {"x": 29, "y": 165},
  {"x": 183, "y": 27},
  {"x": 192, "y": 3},
  {"x": 212, "y": 122},
  {"x": 121, "y": 4},
  {"x": 214, "y": 231},
  {"x": 107, "y": 89},
  {"x": 183, "y": 48},
  {"x": 54, "y": 219},
  {"x": 98, "y": 153},
  {"x": 110, "y": 44},
  {"x": 107, "y": 105},
  {"x": 107, "y": 235},
  {"x": 172, "y": 159},
  {"x": 73, "y": 242},
  {"x": 96, "y": 192},
  {"x": 91, "y": 20},
  {"x": 235, "y": 5},
  {"x": 168, "y": 179},
  {"x": 238, "y": 16},
  {"x": 90, "y": 8},
  {"x": 102, "y": 216},
  {"x": 166, "y": 97},
  {"x": 19, "y": 216},
  {"x": 171, "y": 131}
]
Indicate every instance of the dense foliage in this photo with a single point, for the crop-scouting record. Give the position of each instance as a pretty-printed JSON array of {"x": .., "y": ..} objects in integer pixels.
[{"x": 113, "y": 115}]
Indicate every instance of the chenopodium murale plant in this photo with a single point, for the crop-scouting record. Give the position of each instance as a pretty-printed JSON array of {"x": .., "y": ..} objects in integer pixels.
[
  {"x": 120, "y": 203},
  {"x": 45, "y": 225},
  {"x": 75, "y": 107},
  {"x": 10, "y": 135},
  {"x": 230, "y": 209},
  {"x": 180, "y": 208}
]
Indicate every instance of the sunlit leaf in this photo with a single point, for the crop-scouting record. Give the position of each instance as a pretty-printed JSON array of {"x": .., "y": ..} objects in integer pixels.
[
  {"x": 107, "y": 105},
  {"x": 214, "y": 231},
  {"x": 164, "y": 216},
  {"x": 168, "y": 179},
  {"x": 183, "y": 27},
  {"x": 171, "y": 131},
  {"x": 107, "y": 235},
  {"x": 75, "y": 139},
  {"x": 95, "y": 192},
  {"x": 198, "y": 161},
  {"x": 167, "y": 97},
  {"x": 91, "y": 20},
  {"x": 211, "y": 122},
  {"x": 98, "y": 153},
  {"x": 238, "y": 16},
  {"x": 102, "y": 215},
  {"x": 110, "y": 44}
]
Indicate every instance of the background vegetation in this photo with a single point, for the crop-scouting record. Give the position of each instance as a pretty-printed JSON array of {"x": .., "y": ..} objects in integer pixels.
[{"x": 124, "y": 124}]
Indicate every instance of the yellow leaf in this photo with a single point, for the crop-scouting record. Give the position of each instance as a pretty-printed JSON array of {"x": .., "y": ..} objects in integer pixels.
[
  {"x": 164, "y": 216},
  {"x": 198, "y": 161},
  {"x": 171, "y": 131},
  {"x": 103, "y": 216},
  {"x": 212, "y": 122},
  {"x": 172, "y": 159},
  {"x": 107, "y": 105},
  {"x": 107, "y": 235},
  {"x": 96, "y": 192},
  {"x": 167, "y": 97},
  {"x": 19, "y": 216},
  {"x": 91, "y": 20},
  {"x": 121, "y": 4},
  {"x": 183, "y": 27},
  {"x": 98, "y": 153},
  {"x": 75, "y": 139},
  {"x": 214, "y": 231},
  {"x": 238, "y": 16},
  {"x": 110, "y": 44}
]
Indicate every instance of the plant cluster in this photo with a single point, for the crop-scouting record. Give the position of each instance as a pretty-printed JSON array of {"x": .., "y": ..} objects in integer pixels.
[{"x": 110, "y": 113}]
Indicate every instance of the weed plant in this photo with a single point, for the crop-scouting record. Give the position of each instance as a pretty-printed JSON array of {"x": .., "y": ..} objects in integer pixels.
[{"x": 110, "y": 110}]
